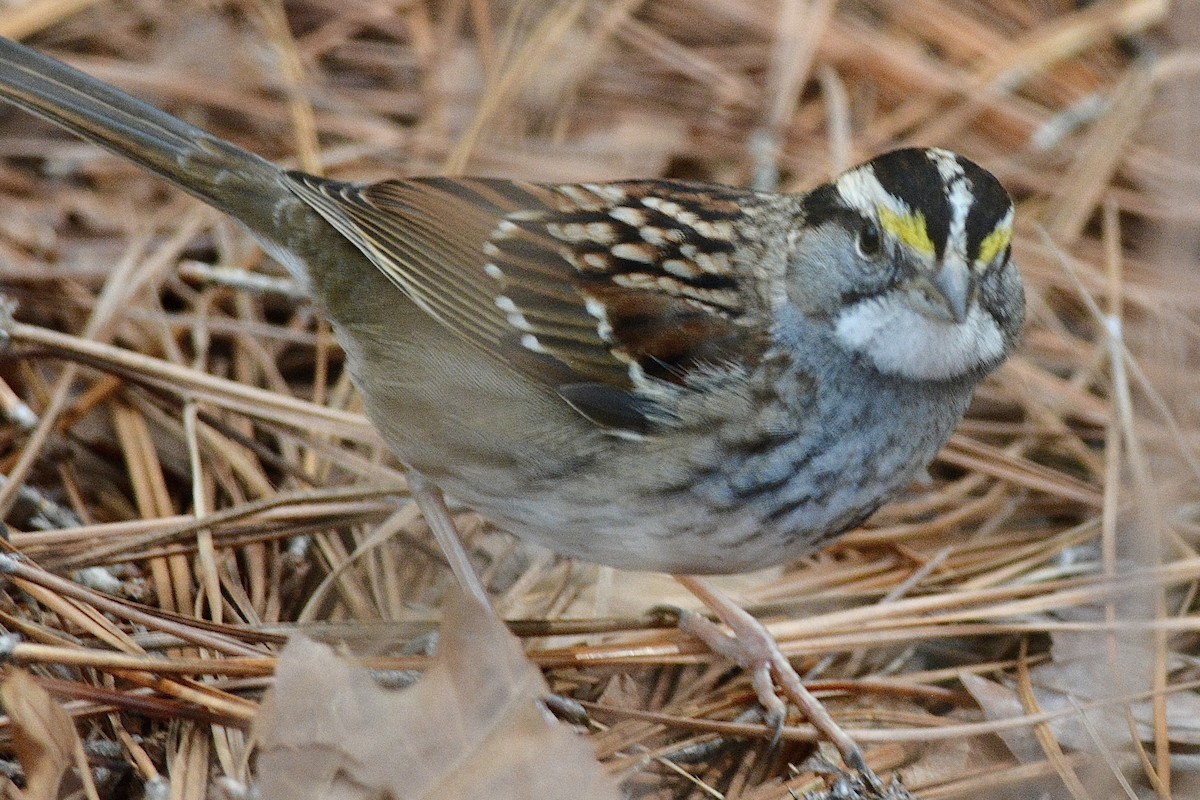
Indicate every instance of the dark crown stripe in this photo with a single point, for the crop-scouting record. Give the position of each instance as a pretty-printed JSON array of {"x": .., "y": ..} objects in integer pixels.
[
  {"x": 911, "y": 176},
  {"x": 991, "y": 204}
]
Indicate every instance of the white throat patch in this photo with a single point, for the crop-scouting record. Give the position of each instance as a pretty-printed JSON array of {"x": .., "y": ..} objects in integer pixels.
[{"x": 902, "y": 342}]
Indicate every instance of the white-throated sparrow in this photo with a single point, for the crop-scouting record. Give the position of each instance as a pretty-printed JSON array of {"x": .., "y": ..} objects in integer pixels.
[{"x": 649, "y": 374}]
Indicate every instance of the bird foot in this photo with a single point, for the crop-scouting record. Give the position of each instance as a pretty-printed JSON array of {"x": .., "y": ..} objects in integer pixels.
[
  {"x": 842, "y": 785},
  {"x": 752, "y": 647}
]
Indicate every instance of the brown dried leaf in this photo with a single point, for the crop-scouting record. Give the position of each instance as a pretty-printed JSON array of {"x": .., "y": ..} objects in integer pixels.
[
  {"x": 1072, "y": 681},
  {"x": 471, "y": 727},
  {"x": 1001, "y": 702},
  {"x": 43, "y": 734}
]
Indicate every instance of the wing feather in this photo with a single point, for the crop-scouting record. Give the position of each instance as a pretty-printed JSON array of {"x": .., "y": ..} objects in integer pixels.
[{"x": 602, "y": 285}]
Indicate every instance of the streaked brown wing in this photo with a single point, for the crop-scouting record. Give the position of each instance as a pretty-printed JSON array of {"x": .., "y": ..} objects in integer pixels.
[{"x": 589, "y": 289}]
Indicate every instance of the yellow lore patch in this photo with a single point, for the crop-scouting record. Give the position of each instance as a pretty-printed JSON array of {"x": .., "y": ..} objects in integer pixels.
[
  {"x": 994, "y": 243},
  {"x": 908, "y": 228}
]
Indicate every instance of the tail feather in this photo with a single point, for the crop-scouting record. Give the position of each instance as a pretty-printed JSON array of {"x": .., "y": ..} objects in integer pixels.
[{"x": 214, "y": 170}]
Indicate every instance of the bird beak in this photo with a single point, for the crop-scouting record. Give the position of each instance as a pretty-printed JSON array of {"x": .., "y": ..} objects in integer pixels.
[
  {"x": 952, "y": 287},
  {"x": 944, "y": 295}
]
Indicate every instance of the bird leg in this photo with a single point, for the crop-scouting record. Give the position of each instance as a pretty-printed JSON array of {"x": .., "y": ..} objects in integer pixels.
[
  {"x": 433, "y": 508},
  {"x": 751, "y": 646},
  {"x": 754, "y": 649}
]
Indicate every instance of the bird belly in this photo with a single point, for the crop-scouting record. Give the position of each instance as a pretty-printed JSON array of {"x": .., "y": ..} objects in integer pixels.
[{"x": 724, "y": 504}]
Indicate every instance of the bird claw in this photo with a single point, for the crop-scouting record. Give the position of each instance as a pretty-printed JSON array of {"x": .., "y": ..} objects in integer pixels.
[
  {"x": 774, "y": 709},
  {"x": 860, "y": 784},
  {"x": 715, "y": 639},
  {"x": 752, "y": 647}
]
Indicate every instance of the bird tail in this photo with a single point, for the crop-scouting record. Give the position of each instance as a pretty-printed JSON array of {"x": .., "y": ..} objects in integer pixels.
[{"x": 214, "y": 170}]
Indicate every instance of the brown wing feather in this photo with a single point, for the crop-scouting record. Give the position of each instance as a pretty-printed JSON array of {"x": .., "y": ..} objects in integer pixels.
[{"x": 579, "y": 285}]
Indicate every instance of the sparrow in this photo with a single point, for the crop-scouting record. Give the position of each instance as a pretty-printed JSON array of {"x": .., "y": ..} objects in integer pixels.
[{"x": 649, "y": 374}]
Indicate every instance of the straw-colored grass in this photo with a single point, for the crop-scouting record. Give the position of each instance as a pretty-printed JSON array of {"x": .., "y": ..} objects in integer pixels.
[{"x": 189, "y": 476}]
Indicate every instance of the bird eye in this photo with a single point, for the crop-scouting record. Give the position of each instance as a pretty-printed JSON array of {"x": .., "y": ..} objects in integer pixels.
[{"x": 869, "y": 243}]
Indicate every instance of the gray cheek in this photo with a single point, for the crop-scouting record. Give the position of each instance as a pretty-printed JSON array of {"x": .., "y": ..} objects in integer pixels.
[
  {"x": 1003, "y": 294},
  {"x": 823, "y": 268}
]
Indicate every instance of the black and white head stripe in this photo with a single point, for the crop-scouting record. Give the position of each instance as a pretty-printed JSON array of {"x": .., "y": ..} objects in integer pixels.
[
  {"x": 950, "y": 223},
  {"x": 929, "y": 199}
]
